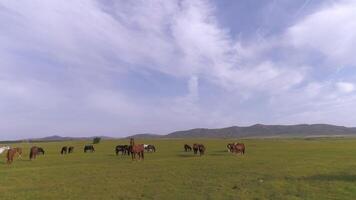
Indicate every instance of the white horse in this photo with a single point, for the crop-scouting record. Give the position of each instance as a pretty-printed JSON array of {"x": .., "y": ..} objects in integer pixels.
[{"x": 2, "y": 149}]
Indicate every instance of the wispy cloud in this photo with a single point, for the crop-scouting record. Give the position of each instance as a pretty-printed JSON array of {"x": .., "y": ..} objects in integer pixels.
[{"x": 122, "y": 67}]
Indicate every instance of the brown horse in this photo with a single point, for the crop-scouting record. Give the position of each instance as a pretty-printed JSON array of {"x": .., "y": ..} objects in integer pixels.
[
  {"x": 137, "y": 149},
  {"x": 201, "y": 149},
  {"x": 11, "y": 154},
  {"x": 195, "y": 148},
  {"x": 33, "y": 152},
  {"x": 238, "y": 148}
]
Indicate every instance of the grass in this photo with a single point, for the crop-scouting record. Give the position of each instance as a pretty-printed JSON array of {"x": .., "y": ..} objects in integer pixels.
[{"x": 271, "y": 169}]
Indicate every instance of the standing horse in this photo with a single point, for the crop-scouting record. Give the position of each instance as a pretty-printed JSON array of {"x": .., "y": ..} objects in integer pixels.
[
  {"x": 138, "y": 149},
  {"x": 11, "y": 154},
  {"x": 187, "y": 148},
  {"x": 201, "y": 149},
  {"x": 238, "y": 148},
  {"x": 64, "y": 150},
  {"x": 195, "y": 148},
  {"x": 89, "y": 148},
  {"x": 33, "y": 152},
  {"x": 121, "y": 148}
]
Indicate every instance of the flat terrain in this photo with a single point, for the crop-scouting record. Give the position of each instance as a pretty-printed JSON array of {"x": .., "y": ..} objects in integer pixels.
[{"x": 270, "y": 169}]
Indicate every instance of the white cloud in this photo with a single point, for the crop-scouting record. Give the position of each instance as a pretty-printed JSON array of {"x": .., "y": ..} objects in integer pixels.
[
  {"x": 331, "y": 30},
  {"x": 345, "y": 87}
]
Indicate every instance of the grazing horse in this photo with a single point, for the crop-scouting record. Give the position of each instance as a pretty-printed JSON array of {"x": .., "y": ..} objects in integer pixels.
[
  {"x": 11, "y": 154},
  {"x": 3, "y": 149},
  {"x": 195, "y": 148},
  {"x": 70, "y": 149},
  {"x": 150, "y": 148},
  {"x": 121, "y": 148},
  {"x": 41, "y": 151},
  {"x": 89, "y": 148},
  {"x": 230, "y": 146},
  {"x": 201, "y": 149},
  {"x": 187, "y": 148},
  {"x": 64, "y": 150},
  {"x": 238, "y": 148},
  {"x": 138, "y": 149},
  {"x": 33, "y": 152}
]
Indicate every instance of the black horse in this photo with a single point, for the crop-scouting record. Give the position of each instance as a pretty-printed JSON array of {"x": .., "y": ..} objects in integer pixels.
[
  {"x": 187, "y": 148},
  {"x": 70, "y": 149},
  {"x": 124, "y": 149},
  {"x": 41, "y": 151},
  {"x": 150, "y": 148},
  {"x": 64, "y": 150},
  {"x": 89, "y": 148}
]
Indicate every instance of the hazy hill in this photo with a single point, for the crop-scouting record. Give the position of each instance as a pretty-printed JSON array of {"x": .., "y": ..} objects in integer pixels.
[{"x": 260, "y": 130}]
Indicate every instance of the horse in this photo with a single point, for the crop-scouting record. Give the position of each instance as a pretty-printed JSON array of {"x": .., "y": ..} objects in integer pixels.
[
  {"x": 121, "y": 148},
  {"x": 137, "y": 149},
  {"x": 238, "y": 148},
  {"x": 70, "y": 149},
  {"x": 64, "y": 150},
  {"x": 150, "y": 148},
  {"x": 187, "y": 148},
  {"x": 195, "y": 148},
  {"x": 11, "y": 154},
  {"x": 41, "y": 151},
  {"x": 3, "y": 149},
  {"x": 89, "y": 148},
  {"x": 201, "y": 149},
  {"x": 33, "y": 152}
]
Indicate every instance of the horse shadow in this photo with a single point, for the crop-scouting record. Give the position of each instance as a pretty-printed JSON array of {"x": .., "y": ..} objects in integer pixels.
[
  {"x": 331, "y": 177},
  {"x": 216, "y": 154},
  {"x": 186, "y": 155}
]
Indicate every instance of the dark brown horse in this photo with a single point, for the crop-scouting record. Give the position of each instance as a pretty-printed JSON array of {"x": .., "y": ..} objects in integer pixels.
[
  {"x": 137, "y": 149},
  {"x": 187, "y": 148},
  {"x": 64, "y": 150},
  {"x": 33, "y": 152},
  {"x": 238, "y": 148},
  {"x": 11, "y": 154},
  {"x": 201, "y": 149},
  {"x": 195, "y": 148},
  {"x": 70, "y": 149}
]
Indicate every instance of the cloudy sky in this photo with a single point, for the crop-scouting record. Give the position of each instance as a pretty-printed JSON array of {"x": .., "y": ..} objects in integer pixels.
[{"x": 109, "y": 67}]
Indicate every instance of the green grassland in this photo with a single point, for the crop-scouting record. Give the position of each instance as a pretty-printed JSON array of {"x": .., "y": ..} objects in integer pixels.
[{"x": 270, "y": 169}]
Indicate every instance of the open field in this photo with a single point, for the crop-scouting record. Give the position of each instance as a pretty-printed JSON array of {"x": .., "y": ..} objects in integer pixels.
[{"x": 270, "y": 169}]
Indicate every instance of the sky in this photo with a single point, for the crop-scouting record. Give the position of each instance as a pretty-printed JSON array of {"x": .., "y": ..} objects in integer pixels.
[{"x": 116, "y": 68}]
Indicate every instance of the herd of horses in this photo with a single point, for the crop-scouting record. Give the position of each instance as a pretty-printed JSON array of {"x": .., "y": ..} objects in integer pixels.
[{"x": 131, "y": 149}]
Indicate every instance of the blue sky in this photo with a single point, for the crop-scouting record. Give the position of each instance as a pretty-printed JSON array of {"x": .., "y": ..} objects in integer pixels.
[{"x": 85, "y": 67}]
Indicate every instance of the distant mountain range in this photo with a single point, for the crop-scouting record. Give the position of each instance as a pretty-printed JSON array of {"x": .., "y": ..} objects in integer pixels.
[
  {"x": 254, "y": 131},
  {"x": 261, "y": 130}
]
